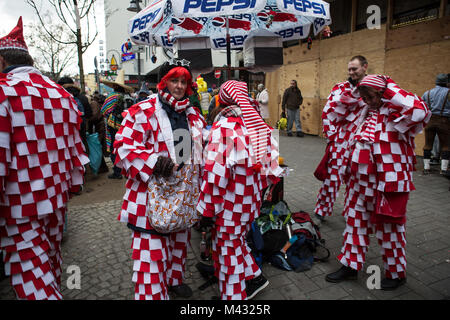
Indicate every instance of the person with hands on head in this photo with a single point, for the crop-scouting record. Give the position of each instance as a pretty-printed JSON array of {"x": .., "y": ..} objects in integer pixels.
[
  {"x": 241, "y": 158},
  {"x": 161, "y": 181},
  {"x": 377, "y": 169}
]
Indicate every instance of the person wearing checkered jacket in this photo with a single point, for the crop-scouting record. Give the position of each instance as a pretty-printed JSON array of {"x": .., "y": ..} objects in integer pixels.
[
  {"x": 336, "y": 135},
  {"x": 241, "y": 158},
  {"x": 146, "y": 148},
  {"x": 377, "y": 168},
  {"x": 41, "y": 158}
]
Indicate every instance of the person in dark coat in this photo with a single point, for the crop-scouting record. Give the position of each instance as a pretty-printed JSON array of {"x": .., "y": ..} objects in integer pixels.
[{"x": 292, "y": 100}]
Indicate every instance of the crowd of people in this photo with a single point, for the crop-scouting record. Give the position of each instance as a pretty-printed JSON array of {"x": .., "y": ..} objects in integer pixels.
[{"x": 204, "y": 165}]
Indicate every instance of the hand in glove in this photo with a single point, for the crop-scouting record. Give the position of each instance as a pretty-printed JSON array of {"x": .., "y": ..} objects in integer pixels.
[
  {"x": 163, "y": 167},
  {"x": 206, "y": 222},
  {"x": 283, "y": 114}
]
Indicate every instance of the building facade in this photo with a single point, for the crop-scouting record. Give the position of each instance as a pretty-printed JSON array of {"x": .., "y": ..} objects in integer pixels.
[
  {"x": 142, "y": 67},
  {"x": 411, "y": 45}
]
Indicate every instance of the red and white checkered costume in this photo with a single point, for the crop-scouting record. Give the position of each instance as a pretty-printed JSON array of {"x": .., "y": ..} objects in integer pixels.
[
  {"x": 231, "y": 192},
  {"x": 379, "y": 159},
  {"x": 41, "y": 158},
  {"x": 144, "y": 135},
  {"x": 333, "y": 116}
]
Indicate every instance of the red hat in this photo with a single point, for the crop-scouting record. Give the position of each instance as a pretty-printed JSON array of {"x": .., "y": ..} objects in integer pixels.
[{"x": 14, "y": 40}]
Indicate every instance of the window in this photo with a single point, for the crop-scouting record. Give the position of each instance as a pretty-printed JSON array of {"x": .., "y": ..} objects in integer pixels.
[
  {"x": 362, "y": 15},
  {"x": 408, "y": 12}
]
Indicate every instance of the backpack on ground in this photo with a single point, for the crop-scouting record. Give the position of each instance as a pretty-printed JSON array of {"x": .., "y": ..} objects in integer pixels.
[{"x": 303, "y": 225}]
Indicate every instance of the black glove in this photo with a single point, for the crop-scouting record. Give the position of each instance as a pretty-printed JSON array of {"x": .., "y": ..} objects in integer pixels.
[
  {"x": 206, "y": 222},
  {"x": 163, "y": 167},
  {"x": 283, "y": 115}
]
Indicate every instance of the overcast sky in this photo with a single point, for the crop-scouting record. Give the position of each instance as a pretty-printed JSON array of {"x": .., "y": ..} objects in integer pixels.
[{"x": 11, "y": 10}]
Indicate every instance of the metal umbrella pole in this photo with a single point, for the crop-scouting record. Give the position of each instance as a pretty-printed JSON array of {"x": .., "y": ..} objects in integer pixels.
[{"x": 228, "y": 50}]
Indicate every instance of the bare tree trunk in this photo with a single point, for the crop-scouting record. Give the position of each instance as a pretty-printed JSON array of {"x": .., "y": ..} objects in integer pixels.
[{"x": 79, "y": 47}]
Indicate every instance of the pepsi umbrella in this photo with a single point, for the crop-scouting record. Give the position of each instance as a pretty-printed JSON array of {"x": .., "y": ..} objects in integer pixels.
[{"x": 226, "y": 22}]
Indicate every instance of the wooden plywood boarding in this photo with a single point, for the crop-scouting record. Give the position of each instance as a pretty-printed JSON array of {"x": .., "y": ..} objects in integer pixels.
[
  {"x": 368, "y": 40},
  {"x": 307, "y": 76},
  {"x": 336, "y": 47},
  {"x": 332, "y": 71},
  {"x": 272, "y": 81},
  {"x": 300, "y": 53},
  {"x": 421, "y": 33},
  {"x": 310, "y": 113},
  {"x": 415, "y": 68}
]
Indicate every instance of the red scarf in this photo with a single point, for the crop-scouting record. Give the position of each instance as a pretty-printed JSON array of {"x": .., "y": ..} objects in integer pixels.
[{"x": 177, "y": 105}]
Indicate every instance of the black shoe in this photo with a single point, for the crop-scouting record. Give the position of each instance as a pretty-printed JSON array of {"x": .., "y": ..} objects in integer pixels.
[
  {"x": 300, "y": 134},
  {"x": 446, "y": 174},
  {"x": 392, "y": 284},
  {"x": 113, "y": 176},
  {"x": 289, "y": 134},
  {"x": 182, "y": 290},
  {"x": 255, "y": 285},
  {"x": 344, "y": 273}
]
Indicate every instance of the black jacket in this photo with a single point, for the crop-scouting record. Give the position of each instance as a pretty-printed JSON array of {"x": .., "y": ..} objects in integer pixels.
[{"x": 292, "y": 98}]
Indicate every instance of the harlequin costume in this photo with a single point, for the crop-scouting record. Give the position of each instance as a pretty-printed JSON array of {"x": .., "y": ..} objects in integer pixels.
[
  {"x": 238, "y": 165},
  {"x": 335, "y": 132},
  {"x": 377, "y": 167},
  {"x": 148, "y": 132},
  {"x": 41, "y": 158}
]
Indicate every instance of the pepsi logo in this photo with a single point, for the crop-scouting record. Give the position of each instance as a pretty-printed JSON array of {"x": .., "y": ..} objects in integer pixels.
[
  {"x": 176, "y": 20},
  {"x": 263, "y": 16},
  {"x": 218, "y": 22}
]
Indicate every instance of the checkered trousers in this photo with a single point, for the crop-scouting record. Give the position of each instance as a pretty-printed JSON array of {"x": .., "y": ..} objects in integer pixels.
[
  {"x": 32, "y": 254},
  {"x": 159, "y": 262},
  {"x": 231, "y": 192},
  {"x": 359, "y": 214},
  {"x": 233, "y": 262}
]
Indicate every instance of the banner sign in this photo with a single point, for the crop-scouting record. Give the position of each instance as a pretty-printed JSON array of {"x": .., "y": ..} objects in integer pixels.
[
  {"x": 213, "y": 8},
  {"x": 312, "y": 8},
  {"x": 147, "y": 19}
]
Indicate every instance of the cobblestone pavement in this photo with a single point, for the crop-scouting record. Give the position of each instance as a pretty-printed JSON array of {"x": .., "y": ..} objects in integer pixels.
[{"x": 100, "y": 246}]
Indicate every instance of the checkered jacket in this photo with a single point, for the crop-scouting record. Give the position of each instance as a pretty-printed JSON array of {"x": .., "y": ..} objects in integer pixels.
[
  {"x": 402, "y": 116},
  {"x": 232, "y": 183},
  {"x": 146, "y": 134},
  {"x": 336, "y": 123},
  {"x": 41, "y": 153}
]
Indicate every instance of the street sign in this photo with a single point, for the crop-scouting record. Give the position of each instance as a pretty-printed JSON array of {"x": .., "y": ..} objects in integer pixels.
[
  {"x": 217, "y": 74},
  {"x": 128, "y": 56}
]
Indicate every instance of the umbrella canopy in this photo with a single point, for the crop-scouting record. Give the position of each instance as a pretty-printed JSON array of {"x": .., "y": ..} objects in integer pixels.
[{"x": 290, "y": 19}]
